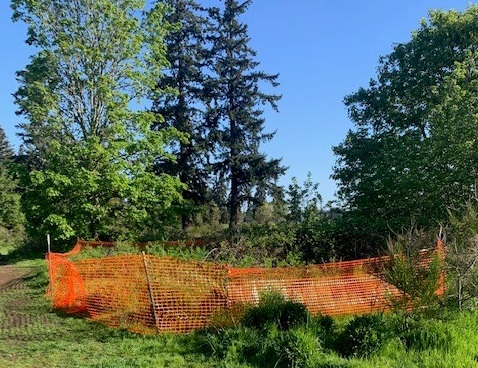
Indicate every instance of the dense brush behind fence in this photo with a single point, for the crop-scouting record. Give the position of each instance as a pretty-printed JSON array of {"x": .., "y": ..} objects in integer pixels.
[{"x": 146, "y": 293}]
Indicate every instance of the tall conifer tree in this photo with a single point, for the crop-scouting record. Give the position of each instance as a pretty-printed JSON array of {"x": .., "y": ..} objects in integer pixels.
[
  {"x": 6, "y": 152},
  {"x": 183, "y": 109},
  {"x": 235, "y": 119},
  {"x": 11, "y": 216}
]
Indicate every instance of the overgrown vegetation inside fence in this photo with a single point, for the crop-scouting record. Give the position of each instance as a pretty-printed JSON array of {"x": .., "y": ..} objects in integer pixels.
[{"x": 148, "y": 293}]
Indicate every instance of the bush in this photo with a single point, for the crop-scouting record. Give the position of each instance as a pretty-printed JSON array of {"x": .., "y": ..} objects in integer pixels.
[
  {"x": 267, "y": 245},
  {"x": 274, "y": 308},
  {"x": 324, "y": 328},
  {"x": 417, "y": 274},
  {"x": 363, "y": 336},
  {"x": 296, "y": 347}
]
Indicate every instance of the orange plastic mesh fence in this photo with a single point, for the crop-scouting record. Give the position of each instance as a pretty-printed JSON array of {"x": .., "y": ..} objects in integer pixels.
[{"x": 146, "y": 293}]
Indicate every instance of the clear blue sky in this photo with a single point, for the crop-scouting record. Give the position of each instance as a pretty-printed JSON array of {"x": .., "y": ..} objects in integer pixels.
[{"x": 323, "y": 51}]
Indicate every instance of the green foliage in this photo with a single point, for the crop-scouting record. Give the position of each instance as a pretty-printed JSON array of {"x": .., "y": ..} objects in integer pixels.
[
  {"x": 299, "y": 347},
  {"x": 182, "y": 251},
  {"x": 12, "y": 219},
  {"x": 303, "y": 202},
  {"x": 408, "y": 269},
  {"x": 183, "y": 107},
  {"x": 153, "y": 248},
  {"x": 462, "y": 255},
  {"x": 316, "y": 239},
  {"x": 412, "y": 153},
  {"x": 89, "y": 154},
  {"x": 325, "y": 328},
  {"x": 120, "y": 248},
  {"x": 274, "y": 308},
  {"x": 6, "y": 152},
  {"x": 267, "y": 245},
  {"x": 363, "y": 336},
  {"x": 279, "y": 244},
  {"x": 424, "y": 335},
  {"x": 89, "y": 191},
  {"x": 296, "y": 347},
  {"x": 234, "y": 114},
  {"x": 234, "y": 344}
]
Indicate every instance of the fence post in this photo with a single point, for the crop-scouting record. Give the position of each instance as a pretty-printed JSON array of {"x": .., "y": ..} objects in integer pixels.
[
  {"x": 50, "y": 271},
  {"x": 151, "y": 295}
]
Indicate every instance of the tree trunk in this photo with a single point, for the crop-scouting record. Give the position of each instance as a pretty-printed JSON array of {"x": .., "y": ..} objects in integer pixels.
[{"x": 234, "y": 203}]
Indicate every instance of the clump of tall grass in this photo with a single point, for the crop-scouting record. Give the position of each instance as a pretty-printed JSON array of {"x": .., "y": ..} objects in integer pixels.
[
  {"x": 275, "y": 333},
  {"x": 275, "y": 308},
  {"x": 425, "y": 334},
  {"x": 363, "y": 336}
]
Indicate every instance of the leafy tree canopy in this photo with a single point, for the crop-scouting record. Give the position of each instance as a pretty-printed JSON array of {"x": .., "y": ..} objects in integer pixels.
[
  {"x": 412, "y": 153},
  {"x": 90, "y": 152}
]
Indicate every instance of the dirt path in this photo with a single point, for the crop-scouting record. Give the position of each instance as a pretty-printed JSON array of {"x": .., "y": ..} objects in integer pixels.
[
  {"x": 16, "y": 300},
  {"x": 12, "y": 277}
]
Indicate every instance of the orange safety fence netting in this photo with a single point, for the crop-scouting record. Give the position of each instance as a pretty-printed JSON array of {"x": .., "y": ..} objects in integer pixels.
[{"x": 146, "y": 293}]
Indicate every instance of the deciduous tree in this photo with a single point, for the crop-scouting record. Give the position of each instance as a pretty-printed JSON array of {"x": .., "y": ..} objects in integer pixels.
[
  {"x": 411, "y": 153},
  {"x": 94, "y": 152}
]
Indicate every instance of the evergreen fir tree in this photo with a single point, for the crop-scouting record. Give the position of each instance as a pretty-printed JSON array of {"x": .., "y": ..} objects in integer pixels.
[
  {"x": 182, "y": 109},
  {"x": 11, "y": 216},
  {"x": 6, "y": 152},
  {"x": 235, "y": 120}
]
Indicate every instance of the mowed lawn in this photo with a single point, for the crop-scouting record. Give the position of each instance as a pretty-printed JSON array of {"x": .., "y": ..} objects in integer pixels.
[{"x": 32, "y": 335}]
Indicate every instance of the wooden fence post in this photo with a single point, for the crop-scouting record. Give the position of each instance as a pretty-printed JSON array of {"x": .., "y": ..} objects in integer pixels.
[
  {"x": 151, "y": 294},
  {"x": 50, "y": 271}
]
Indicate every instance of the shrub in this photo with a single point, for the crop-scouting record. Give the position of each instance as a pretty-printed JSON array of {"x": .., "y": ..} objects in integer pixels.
[
  {"x": 315, "y": 239},
  {"x": 324, "y": 328},
  {"x": 363, "y": 336},
  {"x": 274, "y": 308},
  {"x": 267, "y": 245},
  {"x": 192, "y": 253},
  {"x": 415, "y": 273}
]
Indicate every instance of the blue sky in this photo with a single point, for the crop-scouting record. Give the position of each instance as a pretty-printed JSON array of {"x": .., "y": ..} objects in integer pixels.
[{"x": 323, "y": 51}]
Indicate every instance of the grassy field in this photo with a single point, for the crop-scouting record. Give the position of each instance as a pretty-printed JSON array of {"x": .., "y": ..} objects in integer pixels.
[{"x": 32, "y": 335}]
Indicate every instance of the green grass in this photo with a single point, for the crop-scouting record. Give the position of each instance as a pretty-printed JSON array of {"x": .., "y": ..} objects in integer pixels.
[
  {"x": 32, "y": 335},
  {"x": 39, "y": 337},
  {"x": 448, "y": 339}
]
